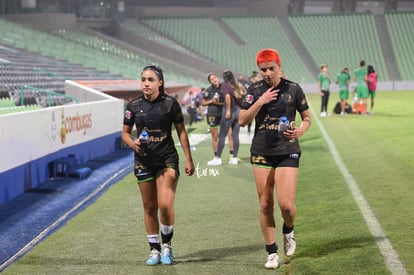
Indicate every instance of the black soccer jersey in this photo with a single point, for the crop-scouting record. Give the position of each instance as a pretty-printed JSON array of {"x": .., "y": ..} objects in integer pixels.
[
  {"x": 214, "y": 109},
  {"x": 156, "y": 118},
  {"x": 266, "y": 140}
]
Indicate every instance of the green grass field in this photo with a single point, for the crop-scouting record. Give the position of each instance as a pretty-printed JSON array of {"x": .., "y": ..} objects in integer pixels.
[{"x": 217, "y": 229}]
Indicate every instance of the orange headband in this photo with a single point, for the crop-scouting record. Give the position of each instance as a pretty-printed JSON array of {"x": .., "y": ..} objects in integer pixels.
[{"x": 267, "y": 55}]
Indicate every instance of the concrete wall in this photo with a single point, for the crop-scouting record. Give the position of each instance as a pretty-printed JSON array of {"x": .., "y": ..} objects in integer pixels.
[
  {"x": 259, "y": 7},
  {"x": 44, "y": 21},
  {"x": 87, "y": 130}
]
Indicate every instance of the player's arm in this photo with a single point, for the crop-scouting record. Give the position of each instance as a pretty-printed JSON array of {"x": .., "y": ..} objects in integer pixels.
[
  {"x": 206, "y": 102},
  {"x": 227, "y": 102},
  {"x": 127, "y": 136}
]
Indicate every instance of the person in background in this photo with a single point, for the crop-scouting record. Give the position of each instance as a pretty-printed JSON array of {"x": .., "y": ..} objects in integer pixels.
[
  {"x": 343, "y": 79},
  {"x": 156, "y": 164},
  {"x": 324, "y": 81},
  {"x": 191, "y": 104},
  {"x": 233, "y": 93},
  {"x": 361, "y": 78},
  {"x": 199, "y": 107},
  {"x": 255, "y": 77},
  {"x": 275, "y": 155},
  {"x": 213, "y": 98},
  {"x": 245, "y": 83},
  {"x": 372, "y": 85}
]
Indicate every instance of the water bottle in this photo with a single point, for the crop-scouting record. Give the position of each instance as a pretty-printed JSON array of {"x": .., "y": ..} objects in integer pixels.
[
  {"x": 143, "y": 142},
  {"x": 216, "y": 97},
  {"x": 283, "y": 125}
]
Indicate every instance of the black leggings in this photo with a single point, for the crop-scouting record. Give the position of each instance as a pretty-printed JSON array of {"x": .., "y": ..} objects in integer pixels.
[{"x": 324, "y": 101}]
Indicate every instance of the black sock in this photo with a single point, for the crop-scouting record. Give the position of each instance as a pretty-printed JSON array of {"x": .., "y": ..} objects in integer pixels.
[
  {"x": 271, "y": 248},
  {"x": 231, "y": 152},
  {"x": 287, "y": 230},
  {"x": 167, "y": 238},
  {"x": 215, "y": 154},
  {"x": 155, "y": 246}
]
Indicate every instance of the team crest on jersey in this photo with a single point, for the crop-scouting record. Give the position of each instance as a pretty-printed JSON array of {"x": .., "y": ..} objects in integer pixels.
[
  {"x": 249, "y": 99},
  {"x": 303, "y": 101},
  {"x": 128, "y": 114}
]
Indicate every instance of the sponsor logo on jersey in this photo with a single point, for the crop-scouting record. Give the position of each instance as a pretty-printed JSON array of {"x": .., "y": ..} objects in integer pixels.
[
  {"x": 128, "y": 114},
  {"x": 249, "y": 98}
]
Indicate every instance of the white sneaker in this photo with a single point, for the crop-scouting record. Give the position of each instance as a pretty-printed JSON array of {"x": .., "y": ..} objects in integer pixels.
[
  {"x": 214, "y": 161},
  {"x": 289, "y": 243},
  {"x": 272, "y": 261},
  {"x": 234, "y": 161},
  {"x": 324, "y": 114}
]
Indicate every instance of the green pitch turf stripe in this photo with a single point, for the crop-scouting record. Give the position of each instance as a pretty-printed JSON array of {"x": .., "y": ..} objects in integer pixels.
[{"x": 390, "y": 255}]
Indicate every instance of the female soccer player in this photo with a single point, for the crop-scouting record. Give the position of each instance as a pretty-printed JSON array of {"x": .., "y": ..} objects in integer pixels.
[
  {"x": 213, "y": 98},
  {"x": 156, "y": 164},
  {"x": 275, "y": 156}
]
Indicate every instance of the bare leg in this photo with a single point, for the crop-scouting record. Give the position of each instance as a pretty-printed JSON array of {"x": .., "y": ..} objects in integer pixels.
[{"x": 264, "y": 178}]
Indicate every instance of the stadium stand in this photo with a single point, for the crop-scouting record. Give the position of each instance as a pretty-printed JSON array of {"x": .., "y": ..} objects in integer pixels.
[
  {"x": 31, "y": 81},
  {"x": 400, "y": 26},
  {"x": 273, "y": 37},
  {"x": 186, "y": 31},
  {"x": 341, "y": 40},
  {"x": 85, "y": 49},
  {"x": 216, "y": 45},
  {"x": 148, "y": 33}
]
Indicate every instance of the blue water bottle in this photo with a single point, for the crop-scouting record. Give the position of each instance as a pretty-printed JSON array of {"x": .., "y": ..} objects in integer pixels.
[
  {"x": 143, "y": 142},
  {"x": 283, "y": 125}
]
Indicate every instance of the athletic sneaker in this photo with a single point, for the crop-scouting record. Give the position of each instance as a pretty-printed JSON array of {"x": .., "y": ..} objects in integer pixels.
[
  {"x": 166, "y": 254},
  {"x": 215, "y": 161},
  {"x": 289, "y": 243},
  {"x": 234, "y": 161},
  {"x": 272, "y": 261},
  {"x": 324, "y": 114},
  {"x": 154, "y": 257}
]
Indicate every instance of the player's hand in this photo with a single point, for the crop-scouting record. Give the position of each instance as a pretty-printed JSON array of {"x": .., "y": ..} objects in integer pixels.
[
  {"x": 293, "y": 134},
  {"x": 189, "y": 168},
  {"x": 268, "y": 96}
]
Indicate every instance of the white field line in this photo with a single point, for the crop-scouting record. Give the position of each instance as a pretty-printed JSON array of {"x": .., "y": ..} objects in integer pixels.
[{"x": 390, "y": 255}]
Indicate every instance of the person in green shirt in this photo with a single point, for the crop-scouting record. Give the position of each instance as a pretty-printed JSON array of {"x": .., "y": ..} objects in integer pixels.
[
  {"x": 361, "y": 78},
  {"x": 324, "y": 81},
  {"x": 343, "y": 79}
]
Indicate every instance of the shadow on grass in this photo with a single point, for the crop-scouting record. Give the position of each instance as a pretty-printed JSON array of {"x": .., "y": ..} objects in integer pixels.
[
  {"x": 325, "y": 248},
  {"x": 201, "y": 256},
  {"x": 209, "y": 255}
]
